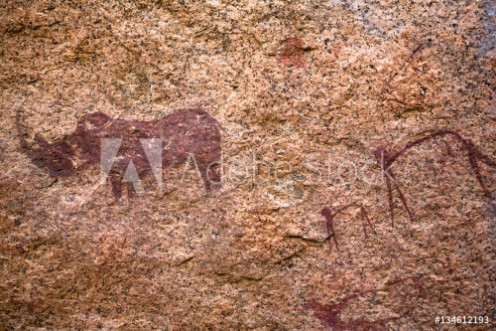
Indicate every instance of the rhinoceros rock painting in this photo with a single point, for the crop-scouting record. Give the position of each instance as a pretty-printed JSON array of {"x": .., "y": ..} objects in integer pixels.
[{"x": 117, "y": 144}]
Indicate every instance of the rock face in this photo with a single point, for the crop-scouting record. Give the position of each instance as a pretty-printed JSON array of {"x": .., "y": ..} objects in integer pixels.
[{"x": 336, "y": 169}]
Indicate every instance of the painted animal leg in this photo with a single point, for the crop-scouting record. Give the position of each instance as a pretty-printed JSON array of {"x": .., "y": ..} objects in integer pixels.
[
  {"x": 116, "y": 182},
  {"x": 390, "y": 198},
  {"x": 326, "y": 212},
  {"x": 131, "y": 192},
  {"x": 402, "y": 197},
  {"x": 210, "y": 173}
]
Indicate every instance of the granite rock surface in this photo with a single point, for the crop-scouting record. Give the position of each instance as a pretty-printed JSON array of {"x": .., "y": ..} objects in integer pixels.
[{"x": 354, "y": 143}]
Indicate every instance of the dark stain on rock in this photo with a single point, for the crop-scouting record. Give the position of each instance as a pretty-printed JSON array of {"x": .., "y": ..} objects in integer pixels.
[
  {"x": 186, "y": 134},
  {"x": 293, "y": 53}
]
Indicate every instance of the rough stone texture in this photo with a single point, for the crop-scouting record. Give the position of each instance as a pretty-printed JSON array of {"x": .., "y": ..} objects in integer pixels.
[{"x": 304, "y": 92}]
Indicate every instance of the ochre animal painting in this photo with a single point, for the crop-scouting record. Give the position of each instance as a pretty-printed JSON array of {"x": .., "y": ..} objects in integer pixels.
[{"x": 187, "y": 134}]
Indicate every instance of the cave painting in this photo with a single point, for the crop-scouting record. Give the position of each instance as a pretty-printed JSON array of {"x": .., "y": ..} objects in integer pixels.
[
  {"x": 184, "y": 135},
  {"x": 331, "y": 314},
  {"x": 387, "y": 158},
  {"x": 331, "y": 217}
]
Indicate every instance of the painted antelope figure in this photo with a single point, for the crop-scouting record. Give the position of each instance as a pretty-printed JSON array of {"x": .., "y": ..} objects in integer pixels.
[
  {"x": 185, "y": 135},
  {"x": 475, "y": 157}
]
